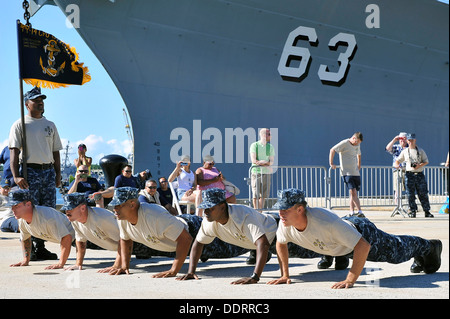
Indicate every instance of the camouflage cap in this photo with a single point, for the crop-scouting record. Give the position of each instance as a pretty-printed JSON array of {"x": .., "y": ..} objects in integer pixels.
[
  {"x": 33, "y": 94},
  {"x": 288, "y": 198},
  {"x": 72, "y": 201},
  {"x": 122, "y": 194},
  {"x": 17, "y": 196},
  {"x": 211, "y": 197}
]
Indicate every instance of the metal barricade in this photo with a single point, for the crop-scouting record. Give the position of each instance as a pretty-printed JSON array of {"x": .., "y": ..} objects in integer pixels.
[
  {"x": 326, "y": 188},
  {"x": 376, "y": 187},
  {"x": 437, "y": 182},
  {"x": 310, "y": 179}
]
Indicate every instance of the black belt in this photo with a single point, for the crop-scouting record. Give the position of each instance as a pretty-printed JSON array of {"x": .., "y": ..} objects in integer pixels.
[
  {"x": 40, "y": 166},
  {"x": 414, "y": 173}
]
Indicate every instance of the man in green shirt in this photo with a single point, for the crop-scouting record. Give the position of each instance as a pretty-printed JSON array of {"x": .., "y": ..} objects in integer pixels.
[{"x": 262, "y": 154}]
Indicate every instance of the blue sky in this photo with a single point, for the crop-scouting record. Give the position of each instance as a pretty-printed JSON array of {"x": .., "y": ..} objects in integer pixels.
[{"x": 91, "y": 113}]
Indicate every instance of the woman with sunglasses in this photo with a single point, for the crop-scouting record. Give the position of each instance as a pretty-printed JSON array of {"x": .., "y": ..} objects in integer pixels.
[{"x": 82, "y": 158}]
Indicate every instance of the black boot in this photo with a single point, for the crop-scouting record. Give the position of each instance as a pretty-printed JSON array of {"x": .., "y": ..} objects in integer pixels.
[
  {"x": 412, "y": 214},
  {"x": 428, "y": 214},
  {"x": 432, "y": 260},
  {"x": 39, "y": 252},
  {"x": 251, "y": 260},
  {"x": 417, "y": 265},
  {"x": 325, "y": 262},
  {"x": 340, "y": 263}
]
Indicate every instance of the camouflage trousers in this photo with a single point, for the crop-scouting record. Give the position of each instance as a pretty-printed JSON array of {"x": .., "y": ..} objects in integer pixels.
[
  {"x": 42, "y": 186},
  {"x": 385, "y": 247},
  {"x": 416, "y": 182},
  {"x": 218, "y": 248}
]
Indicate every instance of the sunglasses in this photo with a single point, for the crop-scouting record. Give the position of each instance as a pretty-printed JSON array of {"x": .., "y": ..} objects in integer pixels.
[{"x": 83, "y": 170}]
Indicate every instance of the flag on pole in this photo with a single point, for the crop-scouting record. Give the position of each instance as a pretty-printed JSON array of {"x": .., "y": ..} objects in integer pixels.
[{"x": 45, "y": 61}]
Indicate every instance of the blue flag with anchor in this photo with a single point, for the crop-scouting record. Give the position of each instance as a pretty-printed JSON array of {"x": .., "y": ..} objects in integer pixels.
[{"x": 45, "y": 61}]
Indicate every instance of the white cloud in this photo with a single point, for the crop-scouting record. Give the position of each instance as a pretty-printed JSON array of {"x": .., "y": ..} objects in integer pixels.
[{"x": 3, "y": 144}]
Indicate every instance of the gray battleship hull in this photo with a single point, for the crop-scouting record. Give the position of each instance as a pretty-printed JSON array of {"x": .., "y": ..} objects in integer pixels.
[{"x": 202, "y": 76}]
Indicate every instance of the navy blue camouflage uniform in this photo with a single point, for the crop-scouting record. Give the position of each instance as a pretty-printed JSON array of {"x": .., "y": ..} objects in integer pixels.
[
  {"x": 416, "y": 182},
  {"x": 42, "y": 186}
]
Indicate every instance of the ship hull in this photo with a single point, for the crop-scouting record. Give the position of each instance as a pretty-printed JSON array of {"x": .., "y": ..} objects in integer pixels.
[{"x": 202, "y": 76}]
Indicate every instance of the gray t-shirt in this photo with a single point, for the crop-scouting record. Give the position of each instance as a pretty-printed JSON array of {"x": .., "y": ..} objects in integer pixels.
[{"x": 348, "y": 157}]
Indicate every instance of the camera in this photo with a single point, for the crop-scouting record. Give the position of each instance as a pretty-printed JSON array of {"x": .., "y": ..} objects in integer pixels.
[{"x": 414, "y": 165}]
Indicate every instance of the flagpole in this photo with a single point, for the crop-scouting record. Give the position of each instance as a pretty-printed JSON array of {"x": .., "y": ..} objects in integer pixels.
[{"x": 22, "y": 112}]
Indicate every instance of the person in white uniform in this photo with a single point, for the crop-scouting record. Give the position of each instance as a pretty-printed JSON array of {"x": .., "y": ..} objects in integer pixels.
[
  {"x": 322, "y": 231},
  {"x": 41, "y": 222}
]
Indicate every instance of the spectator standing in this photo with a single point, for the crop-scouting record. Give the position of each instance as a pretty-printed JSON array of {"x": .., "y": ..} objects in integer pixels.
[
  {"x": 395, "y": 150},
  {"x": 350, "y": 163},
  {"x": 262, "y": 154},
  {"x": 415, "y": 159}
]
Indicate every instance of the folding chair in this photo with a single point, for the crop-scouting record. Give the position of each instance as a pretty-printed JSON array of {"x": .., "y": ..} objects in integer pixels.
[{"x": 177, "y": 203}]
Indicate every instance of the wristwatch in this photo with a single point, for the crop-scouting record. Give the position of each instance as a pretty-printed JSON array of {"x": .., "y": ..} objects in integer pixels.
[{"x": 255, "y": 277}]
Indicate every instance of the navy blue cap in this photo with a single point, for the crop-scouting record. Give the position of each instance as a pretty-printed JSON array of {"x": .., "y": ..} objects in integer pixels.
[
  {"x": 288, "y": 198},
  {"x": 72, "y": 201},
  {"x": 211, "y": 197},
  {"x": 33, "y": 94},
  {"x": 122, "y": 194},
  {"x": 17, "y": 196}
]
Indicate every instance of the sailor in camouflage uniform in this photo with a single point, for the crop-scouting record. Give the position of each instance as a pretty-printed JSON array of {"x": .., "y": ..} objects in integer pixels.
[
  {"x": 240, "y": 226},
  {"x": 323, "y": 231},
  {"x": 159, "y": 233},
  {"x": 415, "y": 180},
  {"x": 42, "y": 158}
]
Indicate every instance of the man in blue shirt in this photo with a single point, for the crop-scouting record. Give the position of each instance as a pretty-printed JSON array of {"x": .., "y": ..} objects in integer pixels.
[
  {"x": 4, "y": 159},
  {"x": 87, "y": 185}
]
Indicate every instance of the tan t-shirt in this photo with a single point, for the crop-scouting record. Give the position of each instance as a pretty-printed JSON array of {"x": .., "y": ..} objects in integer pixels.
[
  {"x": 47, "y": 223},
  {"x": 155, "y": 228},
  {"x": 245, "y": 225},
  {"x": 413, "y": 155},
  {"x": 100, "y": 228},
  {"x": 325, "y": 233},
  {"x": 42, "y": 139}
]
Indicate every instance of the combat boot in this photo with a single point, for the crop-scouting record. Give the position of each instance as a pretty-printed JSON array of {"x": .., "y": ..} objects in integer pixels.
[
  {"x": 39, "y": 252},
  {"x": 340, "y": 262},
  {"x": 417, "y": 265},
  {"x": 325, "y": 262},
  {"x": 432, "y": 260}
]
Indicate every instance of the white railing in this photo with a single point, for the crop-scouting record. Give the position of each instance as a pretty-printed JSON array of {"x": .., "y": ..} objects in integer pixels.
[{"x": 325, "y": 187}]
